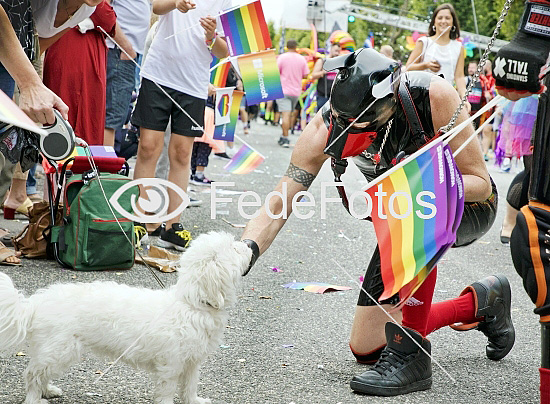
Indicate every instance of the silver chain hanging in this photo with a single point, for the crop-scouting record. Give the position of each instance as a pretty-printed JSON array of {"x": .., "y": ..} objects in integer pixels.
[
  {"x": 482, "y": 61},
  {"x": 376, "y": 157}
]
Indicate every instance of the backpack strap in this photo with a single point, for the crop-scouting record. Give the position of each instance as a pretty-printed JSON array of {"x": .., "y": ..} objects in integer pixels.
[{"x": 419, "y": 137}]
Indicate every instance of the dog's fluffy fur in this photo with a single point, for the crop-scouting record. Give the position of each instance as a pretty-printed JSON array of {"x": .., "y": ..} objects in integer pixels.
[{"x": 177, "y": 327}]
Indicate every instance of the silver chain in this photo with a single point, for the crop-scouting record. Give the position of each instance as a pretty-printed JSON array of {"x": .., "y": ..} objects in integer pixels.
[
  {"x": 373, "y": 157},
  {"x": 482, "y": 61}
]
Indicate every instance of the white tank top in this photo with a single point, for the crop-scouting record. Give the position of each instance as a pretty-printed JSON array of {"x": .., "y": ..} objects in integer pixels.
[{"x": 446, "y": 55}]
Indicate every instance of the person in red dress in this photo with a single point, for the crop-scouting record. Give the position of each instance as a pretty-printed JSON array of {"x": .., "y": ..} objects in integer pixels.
[{"x": 75, "y": 68}]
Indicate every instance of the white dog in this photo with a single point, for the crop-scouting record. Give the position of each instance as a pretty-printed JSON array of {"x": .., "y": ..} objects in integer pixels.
[{"x": 176, "y": 328}]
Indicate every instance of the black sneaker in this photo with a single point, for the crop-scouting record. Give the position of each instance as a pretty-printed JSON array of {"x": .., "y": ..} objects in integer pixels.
[
  {"x": 402, "y": 368},
  {"x": 158, "y": 230},
  {"x": 140, "y": 235},
  {"x": 200, "y": 180},
  {"x": 493, "y": 300},
  {"x": 284, "y": 142},
  {"x": 175, "y": 237},
  {"x": 222, "y": 156}
]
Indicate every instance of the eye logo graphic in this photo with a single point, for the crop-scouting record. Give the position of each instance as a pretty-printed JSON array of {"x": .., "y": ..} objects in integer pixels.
[
  {"x": 223, "y": 105},
  {"x": 156, "y": 201}
]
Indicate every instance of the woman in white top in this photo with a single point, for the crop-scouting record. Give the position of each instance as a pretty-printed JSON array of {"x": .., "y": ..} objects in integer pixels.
[
  {"x": 440, "y": 52},
  {"x": 53, "y": 17}
]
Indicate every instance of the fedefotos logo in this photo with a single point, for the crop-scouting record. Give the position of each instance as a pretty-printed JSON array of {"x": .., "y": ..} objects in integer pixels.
[
  {"x": 400, "y": 204},
  {"x": 155, "y": 202},
  {"x": 305, "y": 199}
]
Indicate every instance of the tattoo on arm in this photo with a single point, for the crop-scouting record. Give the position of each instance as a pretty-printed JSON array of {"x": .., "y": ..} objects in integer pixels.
[{"x": 299, "y": 175}]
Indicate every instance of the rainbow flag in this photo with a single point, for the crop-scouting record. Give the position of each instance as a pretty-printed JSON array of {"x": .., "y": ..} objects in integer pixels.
[
  {"x": 245, "y": 29},
  {"x": 219, "y": 72},
  {"x": 222, "y": 107},
  {"x": 10, "y": 113},
  {"x": 227, "y": 131},
  {"x": 244, "y": 161},
  {"x": 416, "y": 210},
  {"x": 261, "y": 77}
]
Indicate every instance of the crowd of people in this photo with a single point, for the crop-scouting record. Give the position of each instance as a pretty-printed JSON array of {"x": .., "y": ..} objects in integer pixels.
[{"x": 90, "y": 52}]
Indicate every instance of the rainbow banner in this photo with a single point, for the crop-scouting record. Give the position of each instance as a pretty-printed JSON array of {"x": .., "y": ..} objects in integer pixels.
[
  {"x": 261, "y": 77},
  {"x": 416, "y": 211},
  {"x": 227, "y": 131},
  {"x": 224, "y": 97},
  {"x": 219, "y": 72},
  {"x": 245, "y": 29},
  {"x": 244, "y": 161},
  {"x": 10, "y": 113}
]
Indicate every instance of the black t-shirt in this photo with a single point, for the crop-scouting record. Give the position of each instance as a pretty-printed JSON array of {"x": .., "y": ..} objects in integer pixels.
[{"x": 20, "y": 15}]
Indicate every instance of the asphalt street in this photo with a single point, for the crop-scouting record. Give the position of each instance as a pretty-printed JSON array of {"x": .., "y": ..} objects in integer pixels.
[{"x": 287, "y": 346}]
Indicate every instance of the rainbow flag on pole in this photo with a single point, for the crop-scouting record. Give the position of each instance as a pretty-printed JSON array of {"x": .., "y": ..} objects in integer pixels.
[
  {"x": 261, "y": 77},
  {"x": 416, "y": 210},
  {"x": 219, "y": 72},
  {"x": 227, "y": 131},
  {"x": 244, "y": 161},
  {"x": 245, "y": 29}
]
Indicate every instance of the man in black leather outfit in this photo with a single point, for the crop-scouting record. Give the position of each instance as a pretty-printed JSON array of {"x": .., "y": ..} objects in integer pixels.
[{"x": 375, "y": 130}]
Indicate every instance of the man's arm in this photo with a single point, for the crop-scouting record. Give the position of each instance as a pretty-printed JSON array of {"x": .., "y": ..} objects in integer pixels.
[
  {"x": 162, "y": 7},
  {"x": 305, "y": 163},
  {"x": 219, "y": 46},
  {"x": 36, "y": 99},
  {"x": 318, "y": 71},
  {"x": 444, "y": 100},
  {"x": 122, "y": 40}
]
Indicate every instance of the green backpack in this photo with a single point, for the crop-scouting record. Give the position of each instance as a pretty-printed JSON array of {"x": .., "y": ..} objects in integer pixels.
[{"x": 90, "y": 237}]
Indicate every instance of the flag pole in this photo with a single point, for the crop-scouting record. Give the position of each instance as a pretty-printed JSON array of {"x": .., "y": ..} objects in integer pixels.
[
  {"x": 223, "y": 61},
  {"x": 457, "y": 129},
  {"x": 463, "y": 145}
]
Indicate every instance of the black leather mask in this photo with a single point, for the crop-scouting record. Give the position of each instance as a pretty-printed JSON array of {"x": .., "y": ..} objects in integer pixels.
[{"x": 366, "y": 80}]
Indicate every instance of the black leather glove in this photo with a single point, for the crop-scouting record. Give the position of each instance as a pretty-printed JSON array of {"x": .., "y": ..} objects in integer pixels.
[
  {"x": 255, "y": 253},
  {"x": 518, "y": 65},
  {"x": 530, "y": 247}
]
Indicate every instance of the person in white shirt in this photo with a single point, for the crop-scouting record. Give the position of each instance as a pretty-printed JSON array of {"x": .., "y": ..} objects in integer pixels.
[
  {"x": 441, "y": 52},
  {"x": 180, "y": 65},
  {"x": 53, "y": 17}
]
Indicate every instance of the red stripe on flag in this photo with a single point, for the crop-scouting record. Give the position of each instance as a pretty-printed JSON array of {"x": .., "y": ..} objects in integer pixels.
[
  {"x": 256, "y": 26},
  {"x": 262, "y": 24}
]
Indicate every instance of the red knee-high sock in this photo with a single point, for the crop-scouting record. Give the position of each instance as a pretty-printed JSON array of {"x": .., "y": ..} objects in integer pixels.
[
  {"x": 417, "y": 309},
  {"x": 459, "y": 310},
  {"x": 544, "y": 386}
]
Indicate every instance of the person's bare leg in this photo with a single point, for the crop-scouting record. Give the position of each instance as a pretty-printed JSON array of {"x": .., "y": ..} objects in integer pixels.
[
  {"x": 487, "y": 139},
  {"x": 286, "y": 122},
  {"x": 108, "y": 137},
  {"x": 509, "y": 221},
  {"x": 149, "y": 150},
  {"x": 244, "y": 118},
  {"x": 367, "y": 331},
  {"x": 179, "y": 154},
  {"x": 17, "y": 194}
]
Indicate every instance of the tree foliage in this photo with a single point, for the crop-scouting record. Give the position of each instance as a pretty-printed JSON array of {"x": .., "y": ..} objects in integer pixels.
[{"x": 487, "y": 13}]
